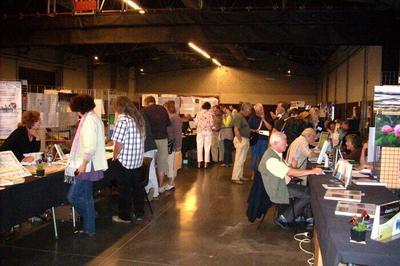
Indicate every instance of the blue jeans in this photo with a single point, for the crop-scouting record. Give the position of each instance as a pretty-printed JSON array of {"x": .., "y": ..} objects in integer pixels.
[
  {"x": 80, "y": 195},
  {"x": 228, "y": 151},
  {"x": 257, "y": 151}
]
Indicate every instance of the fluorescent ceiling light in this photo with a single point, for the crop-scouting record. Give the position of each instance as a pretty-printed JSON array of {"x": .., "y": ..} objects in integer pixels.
[
  {"x": 199, "y": 50},
  {"x": 215, "y": 61},
  {"x": 134, "y": 6}
]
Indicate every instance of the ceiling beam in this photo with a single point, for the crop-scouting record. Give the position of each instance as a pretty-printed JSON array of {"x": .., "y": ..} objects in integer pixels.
[
  {"x": 297, "y": 27},
  {"x": 238, "y": 54},
  {"x": 196, "y": 4}
]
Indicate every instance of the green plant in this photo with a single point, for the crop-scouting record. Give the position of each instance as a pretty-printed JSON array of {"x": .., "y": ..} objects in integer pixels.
[
  {"x": 39, "y": 165},
  {"x": 360, "y": 226}
]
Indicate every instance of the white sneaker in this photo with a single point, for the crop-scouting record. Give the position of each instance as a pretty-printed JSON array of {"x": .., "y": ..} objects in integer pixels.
[
  {"x": 119, "y": 220},
  {"x": 169, "y": 187},
  {"x": 162, "y": 189}
]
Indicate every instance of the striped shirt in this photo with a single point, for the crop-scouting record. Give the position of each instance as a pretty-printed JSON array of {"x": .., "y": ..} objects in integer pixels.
[{"x": 127, "y": 132}]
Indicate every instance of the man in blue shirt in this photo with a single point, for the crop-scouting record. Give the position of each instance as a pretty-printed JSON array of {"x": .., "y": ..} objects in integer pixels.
[{"x": 258, "y": 124}]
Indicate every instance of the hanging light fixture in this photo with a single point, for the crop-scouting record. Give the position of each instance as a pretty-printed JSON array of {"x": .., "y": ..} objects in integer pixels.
[
  {"x": 215, "y": 61},
  {"x": 199, "y": 50},
  {"x": 134, "y": 6}
]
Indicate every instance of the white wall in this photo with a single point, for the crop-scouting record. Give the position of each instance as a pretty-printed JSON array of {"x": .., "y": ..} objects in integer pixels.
[
  {"x": 232, "y": 85},
  {"x": 355, "y": 75}
]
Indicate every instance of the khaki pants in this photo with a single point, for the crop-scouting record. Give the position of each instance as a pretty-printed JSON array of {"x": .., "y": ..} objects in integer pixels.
[
  {"x": 240, "y": 157},
  {"x": 217, "y": 148}
]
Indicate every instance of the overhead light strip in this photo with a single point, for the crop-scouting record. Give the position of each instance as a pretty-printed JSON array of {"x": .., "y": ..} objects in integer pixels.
[
  {"x": 203, "y": 53},
  {"x": 215, "y": 61},
  {"x": 134, "y": 6}
]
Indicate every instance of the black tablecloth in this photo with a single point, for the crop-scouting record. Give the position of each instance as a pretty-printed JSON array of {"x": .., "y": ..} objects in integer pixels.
[
  {"x": 188, "y": 143},
  {"x": 35, "y": 196},
  {"x": 334, "y": 231}
]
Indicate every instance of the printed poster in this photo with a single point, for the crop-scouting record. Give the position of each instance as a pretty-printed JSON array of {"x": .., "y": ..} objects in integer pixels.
[{"x": 10, "y": 107}]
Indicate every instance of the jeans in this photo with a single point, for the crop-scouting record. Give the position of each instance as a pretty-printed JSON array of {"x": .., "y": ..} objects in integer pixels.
[
  {"x": 129, "y": 187},
  {"x": 80, "y": 195},
  {"x": 227, "y": 151},
  {"x": 257, "y": 151}
]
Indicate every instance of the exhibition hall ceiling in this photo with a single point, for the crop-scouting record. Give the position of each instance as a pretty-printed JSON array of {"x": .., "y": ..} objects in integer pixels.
[{"x": 268, "y": 35}]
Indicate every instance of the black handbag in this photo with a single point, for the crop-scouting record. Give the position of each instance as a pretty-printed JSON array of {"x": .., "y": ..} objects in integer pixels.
[{"x": 253, "y": 138}]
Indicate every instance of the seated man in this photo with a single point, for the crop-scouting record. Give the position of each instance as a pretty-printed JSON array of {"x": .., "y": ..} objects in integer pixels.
[
  {"x": 299, "y": 151},
  {"x": 276, "y": 177}
]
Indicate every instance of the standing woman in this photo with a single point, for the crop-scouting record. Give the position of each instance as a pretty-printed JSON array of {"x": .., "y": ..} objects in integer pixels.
[
  {"x": 226, "y": 135},
  {"x": 175, "y": 133},
  {"x": 129, "y": 136},
  {"x": 87, "y": 161},
  {"x": 204, "y": 122},
  {"x": 25, "y": 139}
]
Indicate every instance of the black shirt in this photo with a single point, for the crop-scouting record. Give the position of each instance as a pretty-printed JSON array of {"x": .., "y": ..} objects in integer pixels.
[
  {"x": 159, "y": 120},
  {"x": 18, "y": 142}
]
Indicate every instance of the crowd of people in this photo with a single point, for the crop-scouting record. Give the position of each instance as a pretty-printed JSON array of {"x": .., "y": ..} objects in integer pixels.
[{"x": 280, "y": 144}]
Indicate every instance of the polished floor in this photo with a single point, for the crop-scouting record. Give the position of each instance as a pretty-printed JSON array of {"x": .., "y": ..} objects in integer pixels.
[{"x": 202, "y": 222}]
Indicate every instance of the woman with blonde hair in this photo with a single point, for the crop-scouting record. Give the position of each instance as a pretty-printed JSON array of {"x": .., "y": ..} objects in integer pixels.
[{"x": 129, "y": 136}]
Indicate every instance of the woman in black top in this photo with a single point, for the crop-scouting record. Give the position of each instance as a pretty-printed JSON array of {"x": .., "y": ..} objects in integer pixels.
[{"x": 25, "y": 138}]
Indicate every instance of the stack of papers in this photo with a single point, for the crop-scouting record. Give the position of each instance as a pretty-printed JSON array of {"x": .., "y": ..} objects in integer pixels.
[
  {"x": 343, "y": 195},
  {"x": 333, "y": 186},
  {"x": 367, "y": 182},
  {"x": 352, "y": 209}
]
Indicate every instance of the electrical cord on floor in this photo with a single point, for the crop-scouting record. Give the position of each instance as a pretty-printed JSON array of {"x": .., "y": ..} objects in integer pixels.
[{"x": 305, "y": 238}]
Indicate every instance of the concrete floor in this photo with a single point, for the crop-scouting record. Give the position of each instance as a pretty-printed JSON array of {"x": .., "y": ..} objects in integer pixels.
[{"x": 202, "y": 222}]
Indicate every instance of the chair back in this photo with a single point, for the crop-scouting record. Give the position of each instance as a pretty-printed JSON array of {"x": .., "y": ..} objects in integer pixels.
[{"x": 145, "y": 170}]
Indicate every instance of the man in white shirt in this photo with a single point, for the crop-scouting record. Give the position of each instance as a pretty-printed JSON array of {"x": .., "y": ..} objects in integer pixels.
[
  {"x": 299, "y": 151},
  {"x": 277, "y": 175}
]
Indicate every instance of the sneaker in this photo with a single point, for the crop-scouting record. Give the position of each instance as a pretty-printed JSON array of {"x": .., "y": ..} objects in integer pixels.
[
  {"x": 310, "y": 221},
  {"x": 299, "y": 219},
  {"x": 162, "y": 189},
  {"x": 282, "y": 222},
  {"x": 119, "y": 220},
  {"x": 237, "y": 182},
  {"x": 169, "y": 187},
  {"x": 150, "y": 194},
  {"x": 137, "y": 217}
]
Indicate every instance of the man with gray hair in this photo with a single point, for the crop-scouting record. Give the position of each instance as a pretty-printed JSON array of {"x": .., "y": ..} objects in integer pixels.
[
  {"x": 258, "y": 125},
  {"x": 299, "y": 151},
  {"x": 241, "y": 131},
  {"x": 276, "y": 175}
]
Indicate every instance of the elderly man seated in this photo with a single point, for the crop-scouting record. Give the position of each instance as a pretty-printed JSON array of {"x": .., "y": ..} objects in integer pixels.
[
  {"x": 276, "y": 175},
  {"x": 299, "y": 151}
]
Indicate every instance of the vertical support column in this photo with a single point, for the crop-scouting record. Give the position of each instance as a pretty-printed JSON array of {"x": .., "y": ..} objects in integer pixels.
[
  {"x": 90, "y": 74},
  {"x": 59, "y": 71},
  {"x": 132, "y": 83},
  {"x": 364, "y": 104},
  {"x": 113, "y": 76},
  {"x": 347, "y": 87}
]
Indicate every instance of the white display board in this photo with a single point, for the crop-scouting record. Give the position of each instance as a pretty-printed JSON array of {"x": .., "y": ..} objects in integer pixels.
[
  {"x": 11, "y": 168},
  {"x": 46, "y": 105},
  {"x": 192, "y": 105},
  {"x": 10, "y": 107}
]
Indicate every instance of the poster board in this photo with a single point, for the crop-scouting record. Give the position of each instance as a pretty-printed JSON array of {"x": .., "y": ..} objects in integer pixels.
[
  {"x": 10, "y": 168},
  {"x": 10, "y": 107},
  {"x": 387, "y": 133},
  {"x": 46, "y": 105}
]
